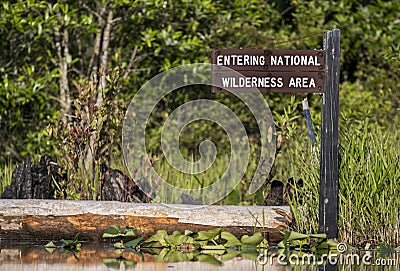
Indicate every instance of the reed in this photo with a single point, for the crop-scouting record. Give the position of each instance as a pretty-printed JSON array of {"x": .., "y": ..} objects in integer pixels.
[
  {"x": 369, "y": 178},
  {"x": 6, "y": 172},
  {"x": 369, "y": 185},
  {"x": 238, "y": 196}
]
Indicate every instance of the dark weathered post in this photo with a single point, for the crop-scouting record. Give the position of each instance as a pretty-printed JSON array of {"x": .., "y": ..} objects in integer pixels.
[{"x": 328, "y": 197}]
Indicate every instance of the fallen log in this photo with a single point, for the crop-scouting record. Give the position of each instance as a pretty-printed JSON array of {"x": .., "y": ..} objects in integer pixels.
[{"x": 59, "y": 219}]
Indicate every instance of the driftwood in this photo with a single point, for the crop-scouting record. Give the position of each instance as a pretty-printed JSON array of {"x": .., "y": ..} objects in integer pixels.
[{"x": 54, "y": 220}]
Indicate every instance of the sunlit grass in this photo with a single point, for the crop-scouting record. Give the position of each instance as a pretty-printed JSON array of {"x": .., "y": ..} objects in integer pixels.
[
  {"x": 213, "y": 174},
  {"x": 6, "y": 172},
  {"x": 369, "y": 185}
]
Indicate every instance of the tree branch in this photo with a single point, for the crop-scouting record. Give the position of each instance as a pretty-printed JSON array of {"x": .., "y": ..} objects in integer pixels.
[{"x": 131, "y": 61}]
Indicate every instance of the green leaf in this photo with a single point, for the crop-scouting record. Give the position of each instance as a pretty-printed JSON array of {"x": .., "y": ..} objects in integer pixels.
[
  {"x": 332, "y": 243},
  {"x": 77, "y": 105},
  {"x": 178, "y": 239},
  {"x": 318, "y": 235},
  {"x": 250, "y": 255},
  {"x": 217, "y": 247},
  {"x": 172, "y": 255},
  {"x": 50, "y": 245},
  {"x": 292, "y": 235},
  {"x": 69, "y": 243},
  {"x": 50, "y": 249},
  {"x": 134, "y": 242},
  {"x": 159, "y": 236},
  {"x": 119, "y": 245},
  {"x": 179, "y": 256},
  {"x": 130, "y": 231},
  {"x": 209, "y": 259},
  {"x": 152, "y": 245},
  {"x": 253, "y": 240},
  {"x": 116, "y": 263},
  {"x": 127, "y": 228},
  {"x": 208, "y": 235},
  {"x": 281, "y": 244},
  {"x": 200, "y": 243},
  {"x": 112, "y": 231},
  {"x": 189, "y": 233},
  {"x": 231, "y": 239},
  {"x": 322, "y": 246},
  {"x": 229, "y": 255}
]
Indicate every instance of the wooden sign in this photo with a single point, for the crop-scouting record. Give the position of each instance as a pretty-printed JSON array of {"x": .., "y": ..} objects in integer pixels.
[
  {"x": 268, "y": 70},
  {"x": 296, "y": 71}
]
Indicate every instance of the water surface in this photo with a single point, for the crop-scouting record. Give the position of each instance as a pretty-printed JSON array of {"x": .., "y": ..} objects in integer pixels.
[{"x": 102, "y": 256}]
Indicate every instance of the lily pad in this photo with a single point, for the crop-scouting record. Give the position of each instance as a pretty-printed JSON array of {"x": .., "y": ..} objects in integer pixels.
[
  {"x": 292, "y": 235},
  {"x": 176, "y": 240},
  {"x": 159, "y": 237},
  {"x": 318, "y": 235},
  {"x": 253, "y": 240},
  {"x": 231, "y": 239},
  {"x": 208, "y": 235},
  {"x": 115, "y": 263},
  {"x": 209, "y": 259},
  {"x": 115, "y": 231},
  {"x": 250, "y": 255},
  {"x": 111, "y": 232},
  {"x": 229, "y": 255},
  {"x": 172, "y": 255}
]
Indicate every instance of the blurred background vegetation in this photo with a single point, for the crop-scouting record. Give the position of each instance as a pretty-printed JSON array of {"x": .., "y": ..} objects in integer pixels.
[{"x": 70, "y": 68}]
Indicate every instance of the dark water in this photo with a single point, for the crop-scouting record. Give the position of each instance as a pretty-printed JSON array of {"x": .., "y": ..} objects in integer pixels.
[{"x": 104, "y": 257}]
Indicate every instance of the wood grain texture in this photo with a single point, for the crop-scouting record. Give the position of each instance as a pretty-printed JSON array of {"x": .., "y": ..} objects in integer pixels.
[
  {"x": 51, "y": 219},
  {"x": 328, "y": 193}
]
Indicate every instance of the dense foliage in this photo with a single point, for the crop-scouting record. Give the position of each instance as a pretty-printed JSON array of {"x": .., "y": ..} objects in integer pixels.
[
  {"x": 70, "y": 68},
  {"x": 48, "y": 51}
]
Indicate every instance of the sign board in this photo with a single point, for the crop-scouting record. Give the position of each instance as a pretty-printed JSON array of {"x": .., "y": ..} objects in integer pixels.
[
  {"x": 268, "y": 70},
  {"x": 296, "y": 71}
]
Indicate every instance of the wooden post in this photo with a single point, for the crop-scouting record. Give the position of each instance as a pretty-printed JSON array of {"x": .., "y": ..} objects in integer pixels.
[{"x": 328, "y": 194}]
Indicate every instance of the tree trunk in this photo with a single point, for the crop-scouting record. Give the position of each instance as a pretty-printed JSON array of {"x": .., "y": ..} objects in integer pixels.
[
  {"x": 62, "y": 45},
  {"x": 104, "y": 55},
  {"x": 100, "y": 55}
]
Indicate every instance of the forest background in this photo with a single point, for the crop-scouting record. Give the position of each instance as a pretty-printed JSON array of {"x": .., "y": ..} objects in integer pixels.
[{"x": 70, "y": 68}]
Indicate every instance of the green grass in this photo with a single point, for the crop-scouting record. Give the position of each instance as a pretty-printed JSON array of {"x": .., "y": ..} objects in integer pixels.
[
  {"x": 369, "y": 201},
  {"x": 195, "y": 181},
  {"x": 369, "y": 185},
  {"x": 6, "y": 171}
]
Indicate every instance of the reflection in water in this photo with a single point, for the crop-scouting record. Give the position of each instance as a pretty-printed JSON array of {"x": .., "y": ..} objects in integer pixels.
[{"x": 104, "y": 257}]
